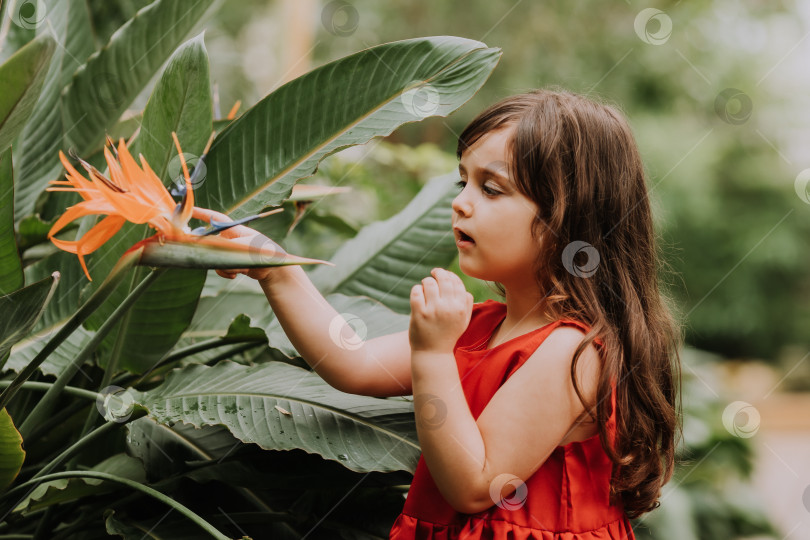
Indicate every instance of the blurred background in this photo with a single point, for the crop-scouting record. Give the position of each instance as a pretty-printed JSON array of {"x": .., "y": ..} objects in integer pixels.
[{"x": 718, "y": 95}]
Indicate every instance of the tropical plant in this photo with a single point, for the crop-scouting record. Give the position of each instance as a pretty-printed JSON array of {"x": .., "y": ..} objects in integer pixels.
[{"x": 173, "y": 405}]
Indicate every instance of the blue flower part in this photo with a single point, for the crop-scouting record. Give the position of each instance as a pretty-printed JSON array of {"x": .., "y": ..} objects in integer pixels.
[{"x": 179, "y": 189}]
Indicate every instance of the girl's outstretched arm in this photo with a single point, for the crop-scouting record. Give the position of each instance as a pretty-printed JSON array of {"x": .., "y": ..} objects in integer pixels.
[
  {"x": 377, "y": 367},
  {"x": 478, "y": 462}
]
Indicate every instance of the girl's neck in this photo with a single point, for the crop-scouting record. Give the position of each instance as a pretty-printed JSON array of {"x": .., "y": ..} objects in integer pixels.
[{"x": 525, "y": 311}]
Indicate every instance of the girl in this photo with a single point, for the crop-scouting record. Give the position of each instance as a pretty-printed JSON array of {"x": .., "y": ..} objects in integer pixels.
[{"x": 552, "y": 414}]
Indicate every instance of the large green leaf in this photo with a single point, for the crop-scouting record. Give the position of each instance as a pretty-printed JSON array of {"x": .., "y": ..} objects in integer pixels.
[
  {"x": 103, "y": 88},
  {"x": 68, "y": 22},
  {"x": 11, "y": 275},
  {"x": 387, "y": 258},
  {"x": 11, "y": 453},
  {"x": 180, "y": 102},
  {"x": 256, "y": 160},
  {"x": 20, "y": 310},
  {"x": 21, "y": 79},
  {"x": 281, "y": 407},
  {"x": 57, "y": 312}
]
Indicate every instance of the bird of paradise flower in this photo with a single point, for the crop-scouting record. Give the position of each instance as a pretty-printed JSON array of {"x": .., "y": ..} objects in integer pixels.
[{"x": 135, "y": 194}]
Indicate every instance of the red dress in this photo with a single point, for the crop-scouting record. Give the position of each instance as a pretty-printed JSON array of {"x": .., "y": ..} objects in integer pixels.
[{"x": 566, "y": 498}]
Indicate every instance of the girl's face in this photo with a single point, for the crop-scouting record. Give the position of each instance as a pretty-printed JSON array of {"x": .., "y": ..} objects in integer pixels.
[{"x": 491, "y": 218}]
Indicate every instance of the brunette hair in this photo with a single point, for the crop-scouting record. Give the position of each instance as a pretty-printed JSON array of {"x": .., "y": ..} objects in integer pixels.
[{"x": 576, "y": 158}]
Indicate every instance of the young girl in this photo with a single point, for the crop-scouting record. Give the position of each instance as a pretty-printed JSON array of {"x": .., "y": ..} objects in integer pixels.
[{"x": 553, "y": 414}]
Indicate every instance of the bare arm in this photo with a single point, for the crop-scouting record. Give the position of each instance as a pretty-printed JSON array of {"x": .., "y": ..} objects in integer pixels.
[{"x": 377, "y": 367}]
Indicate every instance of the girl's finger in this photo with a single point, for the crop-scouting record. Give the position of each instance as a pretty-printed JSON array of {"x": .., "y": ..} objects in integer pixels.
[
  {"x": 417, "y": 298},
  {"x": 225, "y": 274},
  {"x": 431, "y": 289}
]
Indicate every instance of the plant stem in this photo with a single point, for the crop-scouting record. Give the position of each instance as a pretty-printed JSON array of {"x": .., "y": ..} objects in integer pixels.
[
  {"x": 210, "y": 529},
  {"x": 179, "y": 354},
  {"x": 46, "y": 404},
  {"x": 33, "y": 385},
  {"x": 92, "y": 303}
]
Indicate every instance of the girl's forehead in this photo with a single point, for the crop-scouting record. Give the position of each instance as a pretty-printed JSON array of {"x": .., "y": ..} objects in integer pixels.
[{"x": 491, "y": 147}]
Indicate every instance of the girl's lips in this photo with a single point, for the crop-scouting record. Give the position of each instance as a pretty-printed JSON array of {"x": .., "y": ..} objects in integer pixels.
[{"x": 463, "y": 239}]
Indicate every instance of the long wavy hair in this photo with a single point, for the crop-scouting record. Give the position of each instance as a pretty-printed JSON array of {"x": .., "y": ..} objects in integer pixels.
[{"x": 576, "y": 158}]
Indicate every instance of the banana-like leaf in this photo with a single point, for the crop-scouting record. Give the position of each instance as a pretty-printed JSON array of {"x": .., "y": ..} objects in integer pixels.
[
  {"x": 64, "y": 490},
  {"x": 20, "y": 310},
  {"x": 68, "y": 22},
  {"x": 180, "y": 102},
  {"x": 26, "y": 350},
  {"x": 57, "y": 312},
  {"x": 256, "y": 160},
  {"x": 367, "y": 317},
  {"x": 21, "y": 79},
  {"x": 11, "y": 275},
  {"x": 387, "y": 258},
  {"x": 281, "y": 407},
  {"x": 11, "y": 453},
  {"x": 103, "y": 88},
  {"x": 165, "y": 451}
]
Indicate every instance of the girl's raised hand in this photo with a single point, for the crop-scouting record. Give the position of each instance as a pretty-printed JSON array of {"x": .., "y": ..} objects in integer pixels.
[
  {"x": 440, "y": 312},
  {"x": 243, "y": 235}
]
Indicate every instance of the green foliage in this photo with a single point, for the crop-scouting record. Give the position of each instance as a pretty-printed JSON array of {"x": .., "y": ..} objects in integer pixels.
[{"x": 146, "y": 340}]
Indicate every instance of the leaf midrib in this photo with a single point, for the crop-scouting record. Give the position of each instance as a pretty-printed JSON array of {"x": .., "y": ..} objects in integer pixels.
[
  {"x": 315, "y": 149},
  {"x": 313, "y": 404}
]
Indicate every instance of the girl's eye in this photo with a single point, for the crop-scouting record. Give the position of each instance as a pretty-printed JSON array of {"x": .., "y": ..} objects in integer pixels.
[
  {"x": 460, "y": 184},
  {"x": 489, "y": 191}
]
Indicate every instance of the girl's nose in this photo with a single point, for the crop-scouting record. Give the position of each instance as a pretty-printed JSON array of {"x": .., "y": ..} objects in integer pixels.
[{"x": 462, "y": 204}]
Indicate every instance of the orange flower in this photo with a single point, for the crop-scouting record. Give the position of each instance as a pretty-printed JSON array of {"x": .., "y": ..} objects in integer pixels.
[{"x": 133, "y": 194}]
